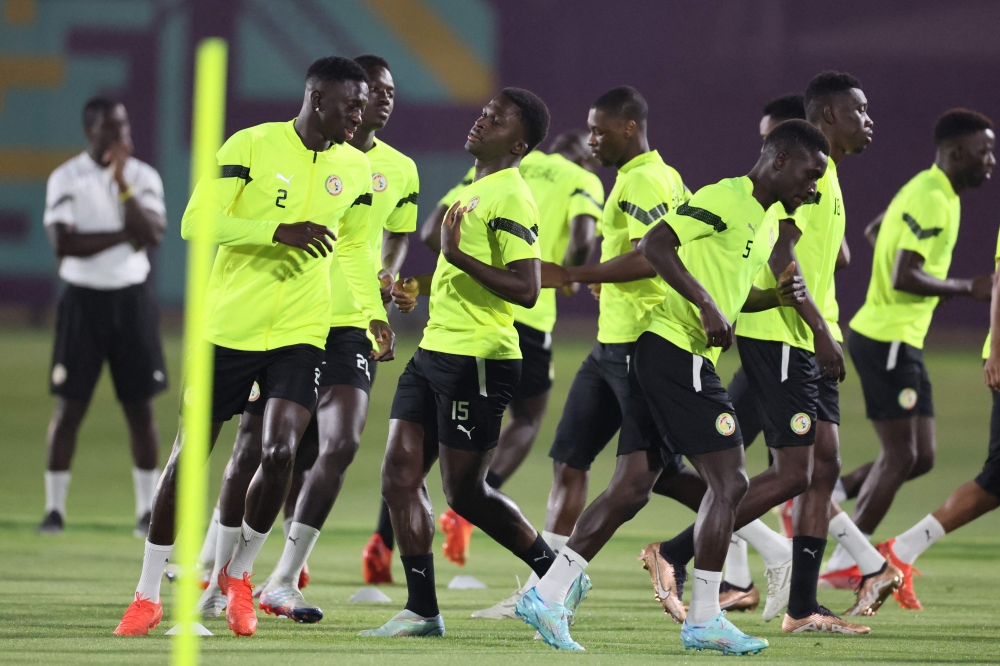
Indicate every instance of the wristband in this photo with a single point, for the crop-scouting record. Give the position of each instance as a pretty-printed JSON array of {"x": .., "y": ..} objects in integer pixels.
[{"x": 126, "y": 195}]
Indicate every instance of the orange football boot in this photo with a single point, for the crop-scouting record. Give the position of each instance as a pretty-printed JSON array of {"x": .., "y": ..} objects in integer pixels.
[
  {"x": 240, "y": 613},
  {"x": 458, "y": 533},
  {"x": 376, "y": 561},
  {"x": 304, "y": 576},
  {"x": 904, "y": 594},
  {"x": 842, "y": 579},
  {"x": 141, "y": 616}
]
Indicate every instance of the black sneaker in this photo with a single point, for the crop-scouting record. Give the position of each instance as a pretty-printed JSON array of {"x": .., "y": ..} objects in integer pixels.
[
  {"x": 51, "y": 524},
  {"x": 142, "y": 526}
]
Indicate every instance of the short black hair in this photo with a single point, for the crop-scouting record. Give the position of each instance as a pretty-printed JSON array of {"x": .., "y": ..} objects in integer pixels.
[
  {"x": 823, "y": 86},
  {"x": 534, "y": 114},
  {"x": 334, "y": 69},
  {"x": 786, "y": 107},
  {"x": 623, "y": 102},
  {"x": 96, "y": 106},
  {"x": 796, "y": 132},
  {"x": 370, "y": 61},
  {"x": 567, "y": 140},
  {"x": 959, "y": 122}
]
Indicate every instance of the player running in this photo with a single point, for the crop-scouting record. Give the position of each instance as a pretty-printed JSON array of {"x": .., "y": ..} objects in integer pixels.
[
  {"x": 677, "y": 404},
  {"x": 284, "y": 269},
  {"x": 450, "y": 400},
  {"x": 909, "y": 277}
]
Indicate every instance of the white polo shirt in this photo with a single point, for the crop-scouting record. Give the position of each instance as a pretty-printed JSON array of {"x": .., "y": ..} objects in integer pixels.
[{"x": 84, "y": 195}]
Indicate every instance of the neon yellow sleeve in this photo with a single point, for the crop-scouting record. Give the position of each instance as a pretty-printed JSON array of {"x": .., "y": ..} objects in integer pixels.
[{"x": 354, "y": 253}]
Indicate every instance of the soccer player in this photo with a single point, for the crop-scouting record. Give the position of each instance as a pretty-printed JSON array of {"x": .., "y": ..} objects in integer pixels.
[
  {"x": 569, "y": 199},
  {"x": 451, "y": 397},
  {"x": 270, "y": 305},
  {"x": 103, "y": 208},
  {"x": 909, "y": 277},
  {"x": 677, "y": 404},
  {"x": 347, "y": 375}
]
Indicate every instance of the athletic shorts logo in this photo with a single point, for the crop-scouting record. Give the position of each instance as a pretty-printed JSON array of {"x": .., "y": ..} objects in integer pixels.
[
  {"x": 801, "y": 423},
  {"x": 379, "y": 183},
  {"x": 158, "y": 376},
  {"x": 725, "y": 424},
  {"x": 59, "y": 374},
  {"x": 334, "y": 186},
  {"x": 254, "y": 392},
  {"x": 473, "y": 202},
  {"x": 907, "y": 398}
]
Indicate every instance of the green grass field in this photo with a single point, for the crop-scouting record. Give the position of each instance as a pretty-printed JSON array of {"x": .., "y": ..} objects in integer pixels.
[{"x": 60, "y": 597}]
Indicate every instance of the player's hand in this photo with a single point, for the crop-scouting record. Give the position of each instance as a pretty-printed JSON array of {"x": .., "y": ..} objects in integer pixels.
[
  {"x": 791, "y": 288},
  {"x": 595, "y": 290},
  {"x": 991, "y": 372},
  {"x": 570, "y": 289},
  {"x": 385, "y": 286},
  {"x": 451, "y": 231},
  {"x": 554, "y": 275},
  {"x": 307, "y": 236},
  {"x": 384, "y": 338},
  {"x": 404, "y": 294},
  {"x": 830, "y": 357},
  {"x": 718, "y": 330},
  {"x": 116, "y": 156},
  {"x": 982, "y": 288}
]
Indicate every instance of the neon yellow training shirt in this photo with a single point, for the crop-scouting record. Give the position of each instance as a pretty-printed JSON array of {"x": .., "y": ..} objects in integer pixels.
[
  {"x": 395, "y": 189},
  {"x": 449, "y": 197},
  {"x": 996, "y": 258},
  {"x": 821, "y": 221},
  {"x": 263, "y": 295},
  {"x": 561, "y": 190},
  {"x": 831, "y": 312},
  {"x": 726, "y": 239},
  {"x": 923, "y": 217},
  {"x": 645, "y": 190},
  {"x": 500, "y": 227}
]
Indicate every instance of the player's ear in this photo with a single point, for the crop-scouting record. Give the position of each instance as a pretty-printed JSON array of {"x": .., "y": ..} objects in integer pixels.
[
  {"x": 520, "y": 148},
  {"x": 315, "y": 99},
  {"x": 780, "y": 160},
  {"x": 828, "y": 114},
  {"x": 630, "y": 128}
]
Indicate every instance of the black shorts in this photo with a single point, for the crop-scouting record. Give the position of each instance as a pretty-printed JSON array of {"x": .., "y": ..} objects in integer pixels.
[
  {"x": 989, "y": 477},
  {"x": 244, "y": 377},
  {"x": 828, "y": 405},
  {"x": 677, "y": 404},
  {"x": 346, "y": 362},
  {"x": 459, "y": 400},
  {"x": 121, "y": 326},
  {"x": 893, "y": 378},
  {"x": 536, "y": 362},
  {"x": 789, "y": 379}
]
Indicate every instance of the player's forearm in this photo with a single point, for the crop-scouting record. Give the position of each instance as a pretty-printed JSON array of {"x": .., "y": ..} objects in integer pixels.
[
  {"x": 916, "y": 281},
  {"x": 581, "y": 241},
  {"x": 759, "y": 300},
  {"x": 395, "y": 247},
  {"x": 430, "y": 230},
  {"x": 205, "y": 210},
  {"x": 626, "y": 267},
  {"x": 871, "y": 231},
  {"x": 783, "y": 254},
  {"x": 355, "y": 257},
  {"x": 843, "y": 257},
  {"x": 74, "y": 244},
  {"x": 995, "y": 315},
  {"x": 659, "y": 248},
  {"x": 518, "y": 284}
]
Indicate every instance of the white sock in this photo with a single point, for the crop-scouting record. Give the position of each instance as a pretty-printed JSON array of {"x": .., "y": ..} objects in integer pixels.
[
  {"x": 154, "y": 561},
  {"x": 847, "y": 534},
  {"x": 911, "y": 543},
  {"x": 145, "y": 485},
  {"x": 737, "y": 565},
  {"x": 298, "y": 544},
  {"x": 286, "y": 525},
  {"x": 56, "y": 488},
  {"x": 555, "y": 584},
  {"x": 840, "y": 559},
  {"x": 774, "y": 549},
  {"x": 206, "y": 559},
  {"x": 556, "y": 542},
  {"x": 247, "y": 547},
  {"x": 704, "y": 596},
  {"x": 839, "y": 492},
  {"x": 225, "y": 548}
]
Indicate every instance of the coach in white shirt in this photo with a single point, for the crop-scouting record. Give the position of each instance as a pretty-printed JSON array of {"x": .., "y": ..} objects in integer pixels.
[{"x": 103, "y": 208}]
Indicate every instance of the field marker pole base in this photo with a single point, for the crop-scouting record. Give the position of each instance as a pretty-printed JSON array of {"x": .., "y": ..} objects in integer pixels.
[{"x": 197, "y": 628}]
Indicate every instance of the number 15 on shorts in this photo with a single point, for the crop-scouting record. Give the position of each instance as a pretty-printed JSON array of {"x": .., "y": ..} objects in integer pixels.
[{"x": 459, "y": 410}]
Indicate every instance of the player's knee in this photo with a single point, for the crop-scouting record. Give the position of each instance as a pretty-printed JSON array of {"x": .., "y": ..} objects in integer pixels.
[
  {"x": 735, "y": 489},
  {"x": 464, "y": 497},
  {"x": 924, "y": 463},
  {"x": 341, "y": 453},
  {"x": 277, "y": 458}
]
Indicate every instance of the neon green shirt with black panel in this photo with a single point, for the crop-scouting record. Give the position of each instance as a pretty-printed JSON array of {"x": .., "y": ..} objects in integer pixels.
[
  {"x": 395, "y": 189},
  {"x": 263, "y": 295},
  {"x": 821, "y": 221},
  {"x": 996, "y": 259},
  {"x": 923, "y": 218},
  {"x": 499, "y": 227},
  {"x": 645, "y": 190},
  {"x": 451, "y": 195},
  {"x": 561, "y": 190},
  {"x": 726, "y": 239}
]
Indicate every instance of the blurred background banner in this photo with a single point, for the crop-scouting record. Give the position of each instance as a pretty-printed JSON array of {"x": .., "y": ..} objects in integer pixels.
[{"x": 706, "y": 69}]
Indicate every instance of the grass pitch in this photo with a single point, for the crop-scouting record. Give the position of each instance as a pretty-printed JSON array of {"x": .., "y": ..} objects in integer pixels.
[{"x": 61, "y": 597}]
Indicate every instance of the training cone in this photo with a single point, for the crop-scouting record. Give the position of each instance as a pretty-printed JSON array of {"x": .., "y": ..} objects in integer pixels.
[
  {"x": 370, "y": 594},
  {"x": 466, "y": 583},
  {"x": 199, "y": 630}
]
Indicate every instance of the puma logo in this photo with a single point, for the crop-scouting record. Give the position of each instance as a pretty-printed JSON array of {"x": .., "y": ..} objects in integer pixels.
[
  {"x": 288, "y": 181},
  {"x": 422, "y": 572},
  {"x": 467, "y": 432},
  {"x": 751, "y": 228},
  {"x": 811, "y": 552},
  {"x": 294, "y": 541},
  {"x": 246, "y": 541},
  {"x": 568, "y": 560},
  {"x": 544, "y": 556},
  {"x": 704, "y": 580},
  {"x": 842, "y": 534},
  {"x": 928, "y": 533}
]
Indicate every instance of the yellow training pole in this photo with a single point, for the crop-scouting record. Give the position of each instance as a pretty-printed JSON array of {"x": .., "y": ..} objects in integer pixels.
[{"x": 206, "y": 137}]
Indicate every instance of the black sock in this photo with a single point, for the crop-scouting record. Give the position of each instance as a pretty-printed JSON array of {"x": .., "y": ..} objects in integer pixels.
[
  {"x": 384, "y": 527},
  {"x": 539, "y": 557},
  {"x": 422, "y": 597},
  {"x": 493, "y": 480},
  {"x": 679, "y": 550},
  {"x": 807, "y": 556}
]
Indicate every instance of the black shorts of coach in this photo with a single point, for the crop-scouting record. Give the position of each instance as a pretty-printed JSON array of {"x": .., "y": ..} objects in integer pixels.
[
  {"x": 536, "y": 362},
  {"x": 459, "y": 400},
  {"x": 120, "y": 326},
  {"x": 989, "y": 478},
  {"x": 346, "y": 362},
  {"x": 785, "y": 383},
  {"x": 595, "y": 406},
  {"x": 289, "y": 373},
  {"x": 677, "y": 405},
  {"x": 893, "y": 378}
]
